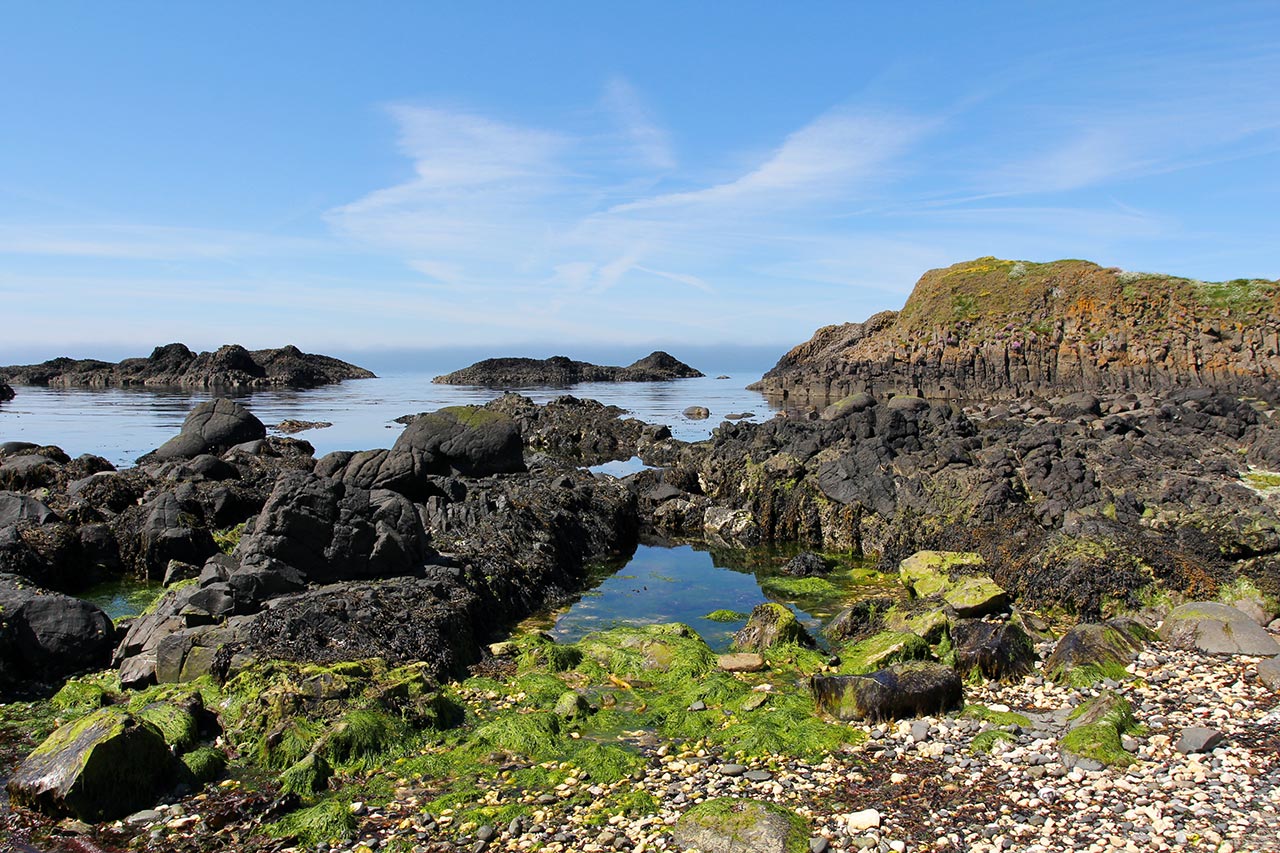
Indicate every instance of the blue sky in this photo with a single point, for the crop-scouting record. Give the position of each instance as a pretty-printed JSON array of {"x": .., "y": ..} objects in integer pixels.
[{"x": 509, "y": 175}]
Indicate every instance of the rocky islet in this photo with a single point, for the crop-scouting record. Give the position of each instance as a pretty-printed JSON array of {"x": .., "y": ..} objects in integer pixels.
[{"x": 350, "y": 590}]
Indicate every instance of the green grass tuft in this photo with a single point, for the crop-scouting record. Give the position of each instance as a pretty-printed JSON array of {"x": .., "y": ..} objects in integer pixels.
[
  {"x": 788, "y": 587},
  {"x": 986, "y": 741},
  {"x": 726, "y": 616},
  {"x": 205, "y": 763},
  {"x": 362, "y": 736},
  {"x": 329, "y": 821}
]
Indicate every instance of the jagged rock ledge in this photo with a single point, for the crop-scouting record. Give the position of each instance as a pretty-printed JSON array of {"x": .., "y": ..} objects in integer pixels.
[
  {"x": 560, "y": 370},
  {"x": 174, "y": 365},
  {"x": 996, "y": 329}
]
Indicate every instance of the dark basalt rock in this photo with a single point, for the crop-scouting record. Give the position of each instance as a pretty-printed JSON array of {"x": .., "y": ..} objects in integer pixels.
[
  {"x": 174, "y": 365},
  {"x": 6, "y": 392},
  {"x": 999, "y": 650},
  {"x": 806, "y": 565},
  {"x": 322, "y": 530},
  {"x": 210, "y": 428},
  {"x": 45, "y": 635},
  {"x": 560, "y": 370},
  {"x": 901, "y": 691}
]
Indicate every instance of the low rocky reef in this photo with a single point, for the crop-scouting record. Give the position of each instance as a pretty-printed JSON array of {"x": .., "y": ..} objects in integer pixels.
[
  {"x": 174, "y": 365},
  {"x": 991, "y": 329},
  {"x": 561, "y": 371},
  {"x": 1069, "y": 582}
]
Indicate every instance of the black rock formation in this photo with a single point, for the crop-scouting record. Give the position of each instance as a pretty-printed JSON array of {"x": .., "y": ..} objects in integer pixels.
[{"x": 561, "y": 371}]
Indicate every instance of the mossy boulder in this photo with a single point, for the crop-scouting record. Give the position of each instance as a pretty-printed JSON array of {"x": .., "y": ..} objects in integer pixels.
[
  {"x": 976, "y": 595},
  {"x": 733, "y": 825},
  {"x": 100, "y": 767},
  {"x": 998, "y": 651},
  {"x": 879, "y": 651},
  {"x": 899, "y": 692},
  {"x": 1217, "y": 629},
  {"x": 1096, "y": 726},
  {"x": 771, "y": 624},
  {"x": 1091, "y": 652}
]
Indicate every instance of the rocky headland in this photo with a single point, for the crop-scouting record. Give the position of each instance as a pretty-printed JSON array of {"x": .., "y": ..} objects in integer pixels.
[
  {"x": 560, "y": 370},
  {"x": 174, "y": 365},
  {"x": 1063, "y": 634},
  {"x": 1009, "y": 330}
]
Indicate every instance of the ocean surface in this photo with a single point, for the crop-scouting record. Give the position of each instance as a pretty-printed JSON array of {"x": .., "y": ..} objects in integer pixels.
[{"x": 121, "y": 424}]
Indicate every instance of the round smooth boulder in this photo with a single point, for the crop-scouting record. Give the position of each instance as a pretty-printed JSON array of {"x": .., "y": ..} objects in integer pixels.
[
  {"x": 45, "y": 635},
  {"x": 212, "y": 427}
]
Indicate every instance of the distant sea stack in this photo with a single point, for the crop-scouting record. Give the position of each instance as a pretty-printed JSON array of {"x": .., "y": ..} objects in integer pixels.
[
  {"x": 995, "y": 329},
  {"x": 174, "y": 365},
  {"x": 560, "y": 370}
]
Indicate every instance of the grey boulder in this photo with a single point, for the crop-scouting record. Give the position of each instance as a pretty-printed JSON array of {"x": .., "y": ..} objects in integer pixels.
[{"x": 1217, "y": 629}]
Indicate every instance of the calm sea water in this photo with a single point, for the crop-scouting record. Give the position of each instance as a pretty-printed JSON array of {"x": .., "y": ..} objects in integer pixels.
[
  {"x": 684, "y": 584},
  {"x": 679, "y": 584},
  {"x": 122, "y": 424}
]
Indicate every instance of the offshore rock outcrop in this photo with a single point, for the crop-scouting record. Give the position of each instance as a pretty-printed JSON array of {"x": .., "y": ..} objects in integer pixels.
[
  {"x": 174, "y": 365},
  {"x": 6, "y": 392},
  {"x": 560, "y": 370},
  {"x": 995, "y": 329}
]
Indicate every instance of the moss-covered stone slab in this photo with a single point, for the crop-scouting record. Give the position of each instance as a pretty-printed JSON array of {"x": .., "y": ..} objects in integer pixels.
[
  {"x": 901, "y": 691},
  {"x": 885, "y": 648},
  {"x": 976, "y": 595},
  {"x": 732, "y": 825},
  {"x": 951, "y": 575},
  {"x": 100, "y": 767},
  {"x": 927, "y": 573},
  {"x": 931, "y": 624},
  {"x": 1217, "y": 629},
  {"x": 771, "y": 624}
]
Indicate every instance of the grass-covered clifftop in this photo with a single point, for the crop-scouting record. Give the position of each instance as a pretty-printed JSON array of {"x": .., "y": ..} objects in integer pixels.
[{"x": 1012, "y": 328}]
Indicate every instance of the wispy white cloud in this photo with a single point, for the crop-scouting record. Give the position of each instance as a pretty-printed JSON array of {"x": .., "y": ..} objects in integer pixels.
[
  {"x": 823, "y": 160},
  {"x": 650, "y": 141}
]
